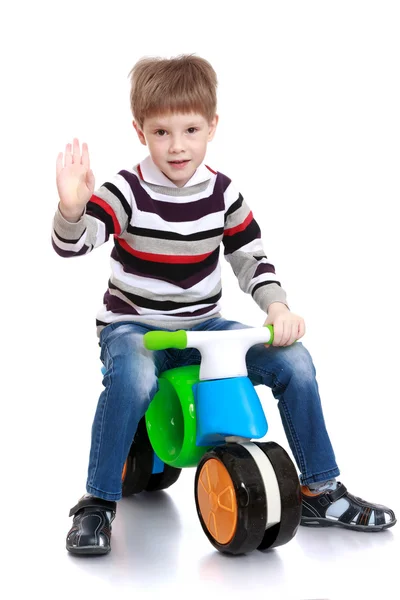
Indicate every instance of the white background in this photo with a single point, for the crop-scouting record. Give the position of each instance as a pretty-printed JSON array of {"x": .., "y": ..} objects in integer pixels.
[{"x": 309, "y": 99}]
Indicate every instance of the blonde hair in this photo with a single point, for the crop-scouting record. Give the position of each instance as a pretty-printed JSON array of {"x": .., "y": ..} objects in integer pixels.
[{"x": 185, "y": 84}]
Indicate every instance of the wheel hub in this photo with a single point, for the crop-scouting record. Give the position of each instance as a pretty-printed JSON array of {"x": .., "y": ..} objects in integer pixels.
[{"x": 217, "y": 500}]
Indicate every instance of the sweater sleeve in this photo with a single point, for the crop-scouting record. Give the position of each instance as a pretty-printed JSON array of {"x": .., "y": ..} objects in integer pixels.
[
  {"x": 245, "y": 253},
  {"x": 108, "y": 212}
]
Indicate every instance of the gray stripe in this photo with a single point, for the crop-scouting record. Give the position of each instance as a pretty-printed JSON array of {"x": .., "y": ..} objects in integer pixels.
[
  {"x": 67, "y": 230},
  {"x": 237, "y": 217},
  {"x": 244, "y": 266},
  {"x": 172, "y": 247},
  {"x": 92, "y": 226}
]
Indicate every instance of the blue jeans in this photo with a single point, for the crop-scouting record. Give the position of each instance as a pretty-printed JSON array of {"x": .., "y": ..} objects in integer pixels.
[{"x": 130, "y": 383}]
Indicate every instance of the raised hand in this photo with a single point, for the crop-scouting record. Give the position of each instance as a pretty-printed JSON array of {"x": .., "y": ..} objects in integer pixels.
[{"x": 75, "y": 180}]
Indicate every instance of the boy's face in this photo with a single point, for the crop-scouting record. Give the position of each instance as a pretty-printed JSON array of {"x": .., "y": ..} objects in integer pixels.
[{"x": 177, "y": 143}]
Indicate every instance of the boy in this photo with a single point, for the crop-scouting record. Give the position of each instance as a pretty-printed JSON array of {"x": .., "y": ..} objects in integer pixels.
[{"x": 168, "y": 216}]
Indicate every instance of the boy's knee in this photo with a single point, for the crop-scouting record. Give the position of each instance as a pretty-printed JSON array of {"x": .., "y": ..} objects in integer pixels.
[
  {"x": 297, "y": 360},
  {"x": 136, "y": 373},
  {"x": 124, "y": 340},
  {"x": 129, "y": 365}
]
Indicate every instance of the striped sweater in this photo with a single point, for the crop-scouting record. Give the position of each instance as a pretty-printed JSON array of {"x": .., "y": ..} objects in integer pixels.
[{"x": 165, "y": 268}]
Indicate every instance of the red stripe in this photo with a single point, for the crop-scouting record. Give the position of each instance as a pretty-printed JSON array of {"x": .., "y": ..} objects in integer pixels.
[
  {"x": 107, "y": 208},
  {"x": 240, "y": 227},
  {"x": 163, "y": 258},
  {"x": 140, "y": 172},
  {"x": 210, "y": 169}
]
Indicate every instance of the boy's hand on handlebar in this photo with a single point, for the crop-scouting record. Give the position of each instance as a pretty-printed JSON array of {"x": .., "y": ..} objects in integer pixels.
[
  {"x": 288, "y": 327},
  {"x": 75, "y": 180}
]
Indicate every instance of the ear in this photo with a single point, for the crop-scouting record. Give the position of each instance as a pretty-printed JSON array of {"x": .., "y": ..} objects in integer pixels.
[
  {"x": 140, "y": 133},
  {"x": 213, "y": 127}
]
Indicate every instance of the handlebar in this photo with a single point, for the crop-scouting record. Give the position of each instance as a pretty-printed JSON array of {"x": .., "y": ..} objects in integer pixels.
[{"x": 161, "y": 340}]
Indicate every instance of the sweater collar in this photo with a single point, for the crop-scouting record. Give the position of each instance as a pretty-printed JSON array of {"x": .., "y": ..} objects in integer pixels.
[{"x": 150, "y": 173}]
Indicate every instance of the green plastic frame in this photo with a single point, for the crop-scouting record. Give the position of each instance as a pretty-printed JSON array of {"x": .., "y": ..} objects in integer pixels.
[{"x": 171, "y": 418}]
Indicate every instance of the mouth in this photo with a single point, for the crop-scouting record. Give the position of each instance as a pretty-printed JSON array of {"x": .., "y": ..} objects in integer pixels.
[{"x": 178, "y": 164}]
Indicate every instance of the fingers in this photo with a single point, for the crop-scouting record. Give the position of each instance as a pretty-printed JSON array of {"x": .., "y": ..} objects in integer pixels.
[
  {"x": 68, "y": 155},
  {"x": 85, "y": 156},
  {"x": 76, "y": 154},
  {"x": 278, "y": 333},
  {"x": 73, "y": 156},
  {"x": 287, "y": 332}
]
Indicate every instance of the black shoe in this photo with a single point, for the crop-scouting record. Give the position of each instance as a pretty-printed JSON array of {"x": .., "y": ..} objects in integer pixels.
[
  {"x": 91, "y": 528},
  {"x": 356, "y": 516}
]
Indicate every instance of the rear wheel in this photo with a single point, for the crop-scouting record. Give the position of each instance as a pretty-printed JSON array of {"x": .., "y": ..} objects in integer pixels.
[
  {"x": 137, "y": 474},
  {"x": 139, "y": 463},
  {"x": 162, "y": 481}
]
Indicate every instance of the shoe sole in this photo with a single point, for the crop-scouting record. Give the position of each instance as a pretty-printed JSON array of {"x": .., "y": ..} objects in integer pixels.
[
  {"x": 320, "y": 522},
  {"x": 89, "y": 550}
]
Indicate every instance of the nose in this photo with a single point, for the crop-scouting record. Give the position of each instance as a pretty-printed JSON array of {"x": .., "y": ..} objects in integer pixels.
[{"x": 176, "y": 144}]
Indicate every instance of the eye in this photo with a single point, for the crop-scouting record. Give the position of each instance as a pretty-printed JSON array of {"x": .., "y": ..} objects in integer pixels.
[
  {"x": 192, "y": 129},
  {"x": 160, "y": 132}
]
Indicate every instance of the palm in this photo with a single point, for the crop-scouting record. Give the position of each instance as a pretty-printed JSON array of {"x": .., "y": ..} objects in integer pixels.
[{"x": 72, "y": 185}]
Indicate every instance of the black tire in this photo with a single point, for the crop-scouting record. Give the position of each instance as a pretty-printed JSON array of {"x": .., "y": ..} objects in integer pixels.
[
  {"x": 249, "y": 498},
  {"x": 162, "y": 481},
  {"x": 290, "y": 496},
  {"x": 139, "y": 463},
  {"x": 139, "y": 467}
]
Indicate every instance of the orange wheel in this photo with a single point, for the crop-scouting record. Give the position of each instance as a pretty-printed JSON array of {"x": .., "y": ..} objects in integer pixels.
[
  {"x": 217, "y": 500},
  {"x": 230, "y": 499}
]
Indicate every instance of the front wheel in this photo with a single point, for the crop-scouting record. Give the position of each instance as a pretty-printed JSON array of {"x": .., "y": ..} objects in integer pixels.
[
  {"x": 248, "y": 497},
  {"x": 288, "y": 493},
  {"x": 230, "y": 499}
]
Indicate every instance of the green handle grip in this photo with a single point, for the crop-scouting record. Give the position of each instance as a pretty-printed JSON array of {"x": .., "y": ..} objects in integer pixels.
[
  {"x": 161, "y": 340},
  {"x": 271, "y": 329}
]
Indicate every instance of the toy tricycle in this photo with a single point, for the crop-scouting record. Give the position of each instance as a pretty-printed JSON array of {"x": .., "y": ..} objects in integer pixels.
[{"x": 247, "y": 493}]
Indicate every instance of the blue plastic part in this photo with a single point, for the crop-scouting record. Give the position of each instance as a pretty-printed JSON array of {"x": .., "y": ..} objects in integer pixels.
[
  {"x": 158, "y": 465},
  {"x": 228, "y": 407}
]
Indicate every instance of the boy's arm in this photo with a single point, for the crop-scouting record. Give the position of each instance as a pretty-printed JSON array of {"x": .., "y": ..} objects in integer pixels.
[
  {"x": 108, "y": 212},
  {"x": 84, "y": 219},
  {"x": 245, "y": 253},
  {"x": 256, "y": 274}
]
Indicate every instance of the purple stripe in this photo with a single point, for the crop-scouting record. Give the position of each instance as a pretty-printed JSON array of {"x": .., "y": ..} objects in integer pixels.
[
  {"x": 69, "y": 253},
  {"x": 171, "y": 211},
  {"x": 222, "y": 182},
  {"x": 116, "y": 305},
  {"x": 263, "y": 268}
]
